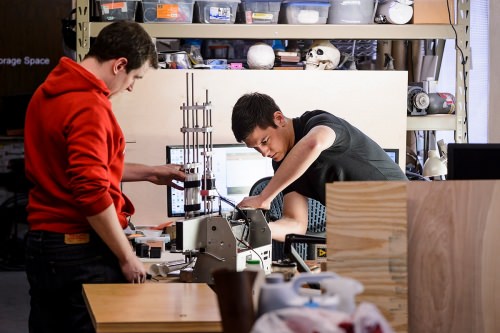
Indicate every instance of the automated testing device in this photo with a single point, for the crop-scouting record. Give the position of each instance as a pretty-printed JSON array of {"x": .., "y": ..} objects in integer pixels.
[
  {"x": 209, "y": 238},
  {"x": 236, "y": 169}
]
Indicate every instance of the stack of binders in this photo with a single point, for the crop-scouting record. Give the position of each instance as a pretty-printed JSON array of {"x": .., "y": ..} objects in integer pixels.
[{"x": 288, "y": 60}]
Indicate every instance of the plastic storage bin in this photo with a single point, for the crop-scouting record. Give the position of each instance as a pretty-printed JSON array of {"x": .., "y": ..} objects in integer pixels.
[
  {"x": 167, "y": 11},
  {"x": 351, "y": 12},
  {"x": 260, "y": 11},
  {"x": 304, "y": 12},
  {"x": 112, "y": 10},
  {"x": 218, "y": 12}
]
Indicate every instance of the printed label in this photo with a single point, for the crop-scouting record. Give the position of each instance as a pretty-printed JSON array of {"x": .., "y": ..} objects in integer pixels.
[
  {"x": 220, "y": 13},
  {"x": 106, "y": 7},
  {"x": 262, "y": 16},
  {"x": 320, "y": 252},
  {"x": 28, "y": 61}
]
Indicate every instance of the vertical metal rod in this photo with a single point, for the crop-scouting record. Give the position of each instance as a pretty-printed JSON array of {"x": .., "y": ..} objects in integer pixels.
[
  {"x": 192, "y": 87},
  {"x": 187, "y": 136},
  {"x": 196, "y": 125},
  {"x": 209, "y": 145},
  {"x": 194, "y": 150},
  {"x": 210, "y": 124},
  {"x": 183, "y": 134},
  {"x": 204, "y": 127},
  {"x": 187, "y": 89},
  {"x": 186, "y": 112}
]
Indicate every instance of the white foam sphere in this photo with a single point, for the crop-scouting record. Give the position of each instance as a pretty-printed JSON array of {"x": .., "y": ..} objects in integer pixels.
[{"x": 260, "y": 56}]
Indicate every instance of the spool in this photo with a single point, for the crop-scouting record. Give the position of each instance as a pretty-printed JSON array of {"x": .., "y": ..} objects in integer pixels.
[{"x": 395, "y": 12}]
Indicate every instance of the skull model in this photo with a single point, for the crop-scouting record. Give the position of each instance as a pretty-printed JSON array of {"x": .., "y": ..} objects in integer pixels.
[{"x": 322, "y": 55}]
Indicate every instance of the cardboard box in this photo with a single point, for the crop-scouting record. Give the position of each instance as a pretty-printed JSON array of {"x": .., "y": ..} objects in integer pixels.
[{"x": 432, "y": 12}]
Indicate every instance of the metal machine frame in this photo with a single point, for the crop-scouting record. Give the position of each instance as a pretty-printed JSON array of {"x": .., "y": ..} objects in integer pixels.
[
  {"x": 207, "y": 237},
  {"x": 220, "y": 242}
]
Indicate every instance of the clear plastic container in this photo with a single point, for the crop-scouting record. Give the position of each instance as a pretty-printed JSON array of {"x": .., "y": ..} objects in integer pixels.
[
  {"x": 216, "y": 12},
  {"x": 351, "y": 12},
  {"x": 255, "y": 265},
  {"x": 260, "y": 11},
  {"x": 304, "y": 12},
  {"x": 167, "y": 11},
  {"x": 112, "y": 10}
]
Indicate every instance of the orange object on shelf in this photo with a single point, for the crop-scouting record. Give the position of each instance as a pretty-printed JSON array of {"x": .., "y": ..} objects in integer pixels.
[{"x": 432, "y": 12}]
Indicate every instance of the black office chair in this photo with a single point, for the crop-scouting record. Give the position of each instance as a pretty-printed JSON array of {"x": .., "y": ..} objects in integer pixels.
[{"x": 316, "y": 225}]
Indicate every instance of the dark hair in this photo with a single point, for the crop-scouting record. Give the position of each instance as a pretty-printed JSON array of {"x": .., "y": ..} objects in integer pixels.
[
  {"x": 125, "y": 39},
  {"x": 250, "y": 111}
]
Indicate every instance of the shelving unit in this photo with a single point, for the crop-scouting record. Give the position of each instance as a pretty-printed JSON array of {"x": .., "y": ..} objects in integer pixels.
[{"x": 456, "y": 122}]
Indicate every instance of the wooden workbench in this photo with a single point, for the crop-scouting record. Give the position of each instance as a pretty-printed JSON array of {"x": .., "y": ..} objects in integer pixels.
[{"x": 153, "y": 307}]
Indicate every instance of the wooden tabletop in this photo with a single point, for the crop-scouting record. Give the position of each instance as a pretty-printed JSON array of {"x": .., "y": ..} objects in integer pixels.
[{"x": 153, "y": 307}]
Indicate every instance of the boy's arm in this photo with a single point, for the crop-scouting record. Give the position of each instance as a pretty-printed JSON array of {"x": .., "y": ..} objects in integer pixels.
[
  {"x": 107, "y": 226},
  {"x": 298, "y": 160},
  {"x": 294, "y": 219},
  {"x": 158, "y": 174}
]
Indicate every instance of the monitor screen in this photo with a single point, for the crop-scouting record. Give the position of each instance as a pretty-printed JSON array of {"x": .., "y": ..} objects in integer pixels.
[
  {"x": 473, "y": 161},
  {"x": 393, "y": 154},
  {"x": 236, "y": 168}
]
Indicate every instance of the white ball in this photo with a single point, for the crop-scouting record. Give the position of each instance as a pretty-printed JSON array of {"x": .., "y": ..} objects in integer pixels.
[{"x": 260, "y": 56}]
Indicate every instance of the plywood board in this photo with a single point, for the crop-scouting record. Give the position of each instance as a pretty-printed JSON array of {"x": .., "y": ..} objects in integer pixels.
[
  {"x": 367, "y": 241},
  {"x": 452, "y": 256},
  {"x": 454, "y": 270}
]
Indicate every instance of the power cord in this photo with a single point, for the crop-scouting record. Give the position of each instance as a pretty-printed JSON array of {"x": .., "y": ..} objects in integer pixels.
[
  {"x": 248, "y": 246},
  {"x": 463, "y": 63},
  {"x": 246, "y": 228}
]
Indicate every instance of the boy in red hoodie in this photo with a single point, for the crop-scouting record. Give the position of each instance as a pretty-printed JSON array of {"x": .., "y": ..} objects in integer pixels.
[{"x": 74, "y": 153}]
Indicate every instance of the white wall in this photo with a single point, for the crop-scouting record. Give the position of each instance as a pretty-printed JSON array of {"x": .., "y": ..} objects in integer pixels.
[
  {"x": 494, "y": 73},
  {"x": 374, "y": 101}
]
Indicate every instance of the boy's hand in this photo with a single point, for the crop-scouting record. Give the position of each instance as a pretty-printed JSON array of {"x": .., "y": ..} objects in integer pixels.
[
  {"x": 166, "y": 174},
  {"x": 255, "y": 201}
]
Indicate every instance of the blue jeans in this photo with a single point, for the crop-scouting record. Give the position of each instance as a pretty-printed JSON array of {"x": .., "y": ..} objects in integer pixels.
[{"x": 56, "y": 272}]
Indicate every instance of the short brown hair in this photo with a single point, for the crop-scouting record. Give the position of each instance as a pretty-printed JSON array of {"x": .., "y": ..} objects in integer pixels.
[
  {"x": 125, "y": 39},
  {"x": 250, "y": 111}
]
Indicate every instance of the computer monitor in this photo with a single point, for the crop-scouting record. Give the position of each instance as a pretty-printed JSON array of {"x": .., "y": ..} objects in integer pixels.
[
  {"x": 473, "y": 161},
  {"x": 393, "y": 154},
  {"x": 236, "y": 168}
]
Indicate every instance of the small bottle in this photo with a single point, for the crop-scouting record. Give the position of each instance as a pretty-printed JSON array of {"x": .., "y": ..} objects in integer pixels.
[{"x": 255, "y": 265}]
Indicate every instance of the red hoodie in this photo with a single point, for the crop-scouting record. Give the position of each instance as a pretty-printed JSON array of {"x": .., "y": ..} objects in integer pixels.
[{"x": 74, "y": 152}]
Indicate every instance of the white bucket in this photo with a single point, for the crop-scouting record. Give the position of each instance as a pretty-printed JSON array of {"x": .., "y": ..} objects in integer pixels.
[{"x": 351, "y": 11}]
